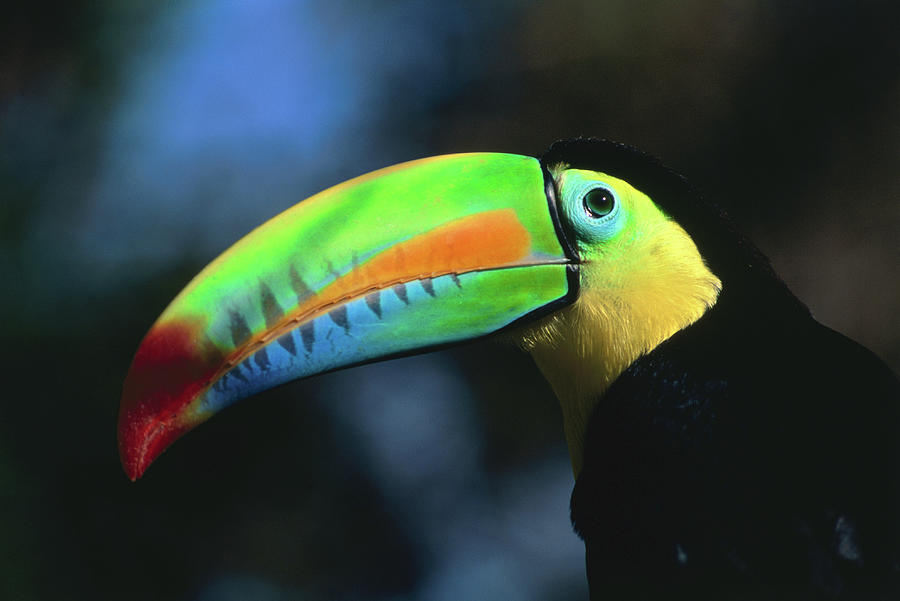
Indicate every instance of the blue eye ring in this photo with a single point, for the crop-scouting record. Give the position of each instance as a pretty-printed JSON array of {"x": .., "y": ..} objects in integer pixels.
[
  {"x": 599, "y": 202},
  {"x": 592, "y": 205}
]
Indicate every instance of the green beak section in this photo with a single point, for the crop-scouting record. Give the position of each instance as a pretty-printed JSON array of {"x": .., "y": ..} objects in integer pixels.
[{"x": 402, "y": 260}]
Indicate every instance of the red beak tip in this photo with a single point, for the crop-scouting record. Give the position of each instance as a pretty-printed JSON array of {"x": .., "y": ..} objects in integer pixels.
[
  {"x": 134, "y": 470},
  {"x": 142, "y": 439}
]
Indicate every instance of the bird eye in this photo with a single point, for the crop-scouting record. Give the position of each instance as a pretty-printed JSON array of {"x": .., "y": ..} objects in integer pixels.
[{"x": 599, "y": 202}]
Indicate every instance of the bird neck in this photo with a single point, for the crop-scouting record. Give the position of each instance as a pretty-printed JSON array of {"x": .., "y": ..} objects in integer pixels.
[{"x": 583, "y": 348}]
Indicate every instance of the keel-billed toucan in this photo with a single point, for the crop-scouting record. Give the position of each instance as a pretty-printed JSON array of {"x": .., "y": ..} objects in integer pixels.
[{"x": 725, "y": 444}]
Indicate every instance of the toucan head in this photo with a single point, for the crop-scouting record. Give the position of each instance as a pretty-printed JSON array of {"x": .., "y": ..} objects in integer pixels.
[{"x": 569, "y": 255}]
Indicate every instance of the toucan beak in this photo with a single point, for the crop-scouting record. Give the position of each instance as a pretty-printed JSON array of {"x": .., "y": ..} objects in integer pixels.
[{"x": 399, "y": 261}]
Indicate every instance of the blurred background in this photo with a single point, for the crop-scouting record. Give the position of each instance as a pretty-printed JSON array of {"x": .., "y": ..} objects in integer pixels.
[{"x": 140, "y": 139}]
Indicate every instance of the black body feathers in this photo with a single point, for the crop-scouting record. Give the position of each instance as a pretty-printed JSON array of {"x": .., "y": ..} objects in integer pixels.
[{"x": 754, "y": 454}]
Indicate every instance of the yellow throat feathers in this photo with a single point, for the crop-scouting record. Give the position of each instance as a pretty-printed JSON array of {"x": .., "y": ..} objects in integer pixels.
[{"x": 633, "y": 297}]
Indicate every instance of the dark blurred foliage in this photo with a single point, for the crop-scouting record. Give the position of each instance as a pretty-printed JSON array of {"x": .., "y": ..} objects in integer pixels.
[{"x": 787, "y": 113}]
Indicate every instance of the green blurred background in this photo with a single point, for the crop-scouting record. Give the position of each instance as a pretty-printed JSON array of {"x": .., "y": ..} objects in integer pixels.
[{"x": 139, "y": 139}]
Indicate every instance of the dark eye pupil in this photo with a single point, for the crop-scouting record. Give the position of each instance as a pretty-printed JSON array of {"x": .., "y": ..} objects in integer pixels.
[{"x": 599, "y": 202}]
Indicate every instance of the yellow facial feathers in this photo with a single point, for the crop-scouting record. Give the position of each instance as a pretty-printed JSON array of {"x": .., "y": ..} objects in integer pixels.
[{"x": 638, "y": 287}]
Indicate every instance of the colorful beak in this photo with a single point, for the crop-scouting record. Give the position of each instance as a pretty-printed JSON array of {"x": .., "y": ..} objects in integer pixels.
[{"x": 402, "y": 260}]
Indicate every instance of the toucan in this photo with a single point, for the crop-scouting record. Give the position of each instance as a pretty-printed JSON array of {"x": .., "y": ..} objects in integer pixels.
[{"x": 725, "y": 445}]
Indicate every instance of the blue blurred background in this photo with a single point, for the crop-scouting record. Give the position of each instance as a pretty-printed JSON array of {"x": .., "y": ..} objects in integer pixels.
[{"x": 139, "y": 140}]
